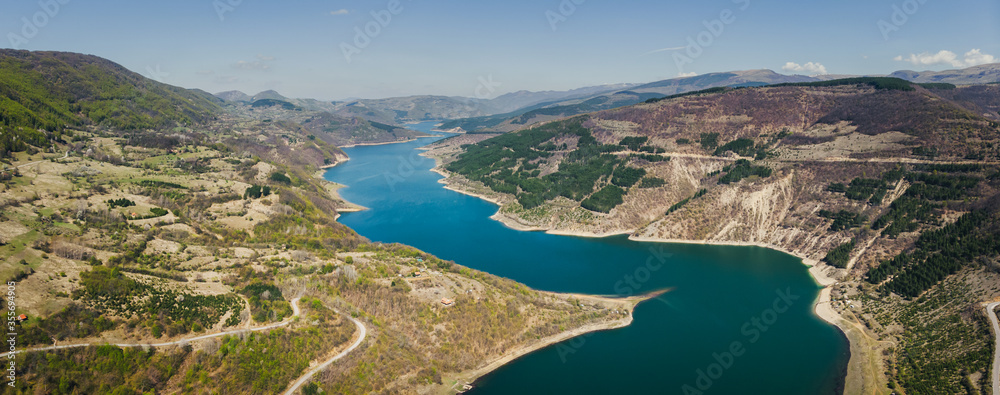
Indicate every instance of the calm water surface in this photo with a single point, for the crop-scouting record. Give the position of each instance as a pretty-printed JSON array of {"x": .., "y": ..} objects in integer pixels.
[{"x": 738, "y": 320}]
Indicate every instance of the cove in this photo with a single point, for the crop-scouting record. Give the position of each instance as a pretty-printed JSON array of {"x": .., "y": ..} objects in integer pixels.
[{"x": 682, "y": 342}]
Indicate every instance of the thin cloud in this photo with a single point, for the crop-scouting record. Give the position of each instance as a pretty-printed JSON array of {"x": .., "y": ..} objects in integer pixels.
[
  {"x": 265, "y": 58},
  {"x": 342, "y": 11},
  {"x": 811, "y": 68},
  {"x": 685, "y": 75},
  {"x": 663, "y": 50},
  {"x": 974, "y": 57}
]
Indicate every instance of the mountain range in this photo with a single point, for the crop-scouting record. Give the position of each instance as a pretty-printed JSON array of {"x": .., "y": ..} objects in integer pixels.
[{"x": 516, "y": 110}]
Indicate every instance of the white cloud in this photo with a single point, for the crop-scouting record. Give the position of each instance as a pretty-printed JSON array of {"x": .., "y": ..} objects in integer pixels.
[
  {"x": 342, "y": 11},
  {"x": 974, "y": 57},
  {"x": 690, "y": 74},
  {"x": 663, "y": 50},
  {"x": 811, "y": 68},
  {"x": 265, "y": 58}
]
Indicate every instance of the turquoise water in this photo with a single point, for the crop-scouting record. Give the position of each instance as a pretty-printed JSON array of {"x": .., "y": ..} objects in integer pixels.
[{"x": 737, "y": 320}]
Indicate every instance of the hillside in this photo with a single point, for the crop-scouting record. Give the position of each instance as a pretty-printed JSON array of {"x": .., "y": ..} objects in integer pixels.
[
  {"x": 233, "y": 96},
  {"x": 342, "y": 132},
  {"x": 559, "y": 109},
  {"x": 862, "y": 178},
  {"x": 207, "y": 258},
  {"x": 52, "y": 90}
]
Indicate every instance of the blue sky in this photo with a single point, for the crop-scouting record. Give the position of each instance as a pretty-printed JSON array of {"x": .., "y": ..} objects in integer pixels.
[{"x": 297, "y": 47}]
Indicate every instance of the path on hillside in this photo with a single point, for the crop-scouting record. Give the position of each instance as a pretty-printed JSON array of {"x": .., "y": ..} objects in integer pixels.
[
  {"x": 302, "y": 380},
  {"x": 285, "y": 322},
  {"x": 996, "y": 345},
  {"x": 40, "y": 161}
]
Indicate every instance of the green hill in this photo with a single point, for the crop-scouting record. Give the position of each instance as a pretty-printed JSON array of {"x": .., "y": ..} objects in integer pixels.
[{"x": 52, "y": 90}]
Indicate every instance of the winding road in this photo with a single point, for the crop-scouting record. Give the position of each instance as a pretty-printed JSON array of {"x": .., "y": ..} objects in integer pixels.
[
  {"x": 40, "y": 161},
  {"x": 285, "y": 322},
  {"x": 363, "y": 332},
  {"x": 302, "y": 380},
  {"x": 995, "y": 374}
]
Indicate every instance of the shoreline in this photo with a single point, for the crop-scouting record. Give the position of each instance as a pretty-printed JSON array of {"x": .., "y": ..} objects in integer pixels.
[
  {"x": 855, "y": 379},
  {"x": 335, "y": 187},
  {"x": 518, "y": 352},
  {"x": 470, "y": 376}
]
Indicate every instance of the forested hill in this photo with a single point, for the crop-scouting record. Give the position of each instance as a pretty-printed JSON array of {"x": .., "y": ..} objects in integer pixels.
[{"x": 52, "y": 90}]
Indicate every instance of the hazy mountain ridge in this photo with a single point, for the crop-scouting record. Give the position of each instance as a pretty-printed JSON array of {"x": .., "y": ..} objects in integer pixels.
[
  {"x": 673, "y": 86},
  {"x": 633, "y": 95},
  {"x": 514, "y": 110},
  {"x": 982, "y": 74}
]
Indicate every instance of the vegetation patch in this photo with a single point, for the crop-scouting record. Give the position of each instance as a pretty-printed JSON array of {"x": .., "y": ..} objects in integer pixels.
[
  {"x": 743, "y": 169},
  {"x": 843, "y": 219},
  {"x": 839, "y": 256},
  {"x": 678, "y": 205},
  {"x": 604, "y": 200}
]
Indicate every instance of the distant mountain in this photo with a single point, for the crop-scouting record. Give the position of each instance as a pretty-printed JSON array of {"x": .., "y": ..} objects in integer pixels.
[
  {"x": 520, "y": 99},
  {"x": 233, "y": 96},
  {"x": 400, "y": 110},
  {"x": 548, "y": 111},
  {"x": 983, "y": 74},
  {"x": 51, "y": 90},
  {"x": 273, "y": 102},
  {"x": 674, "y": 86},
  {"x": 343, "y": 131},
  {"x": 268, "y": 94},
  {"x": 605, "y": 101}
]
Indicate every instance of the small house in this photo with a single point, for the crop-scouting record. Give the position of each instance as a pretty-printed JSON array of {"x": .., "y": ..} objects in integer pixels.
[
  {"x": 22, "y": 317},
  {"x": 447, "y": 302}
]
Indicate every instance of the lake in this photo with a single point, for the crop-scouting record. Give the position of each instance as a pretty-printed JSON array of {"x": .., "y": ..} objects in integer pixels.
[{"x": 737, "y": 320}]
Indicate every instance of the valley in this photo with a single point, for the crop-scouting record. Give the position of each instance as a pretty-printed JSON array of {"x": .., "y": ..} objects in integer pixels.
[{"x": 167, "y": 240}]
